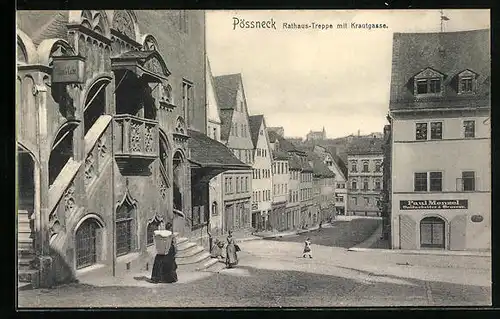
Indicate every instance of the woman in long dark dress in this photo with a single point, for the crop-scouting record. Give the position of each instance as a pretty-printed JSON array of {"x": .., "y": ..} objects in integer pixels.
[
  {"x": 231, "y": 256},
  {"x": 165, "y": 267}
]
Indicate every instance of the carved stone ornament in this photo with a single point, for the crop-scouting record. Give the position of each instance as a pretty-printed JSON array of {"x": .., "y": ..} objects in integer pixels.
[
  {"x": 101, "y": 147},
  {"x": 148, "y": 139},
  {"x": 123, "y": 24},
  {"x": 135, "y": 137},
  {"x": 162, "y": 186},
  {"x": 154, "y": 66},
  {"x": 89, "y": 169},
  {"x": 69, "y": 199},
  {"x": 149, "y": 44}
]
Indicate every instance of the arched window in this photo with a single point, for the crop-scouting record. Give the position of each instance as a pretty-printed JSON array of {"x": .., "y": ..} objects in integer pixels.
[
  {"x": 87, "y": 243},
  {"x": 125, "y": 226},
  {"x": 215, "y": 209},
  {"x": 164, "y": 151},
  {"x": 432, "y": 233},
  {"x": 62, "y": 150},
  {"x": 150, "y": 232}
]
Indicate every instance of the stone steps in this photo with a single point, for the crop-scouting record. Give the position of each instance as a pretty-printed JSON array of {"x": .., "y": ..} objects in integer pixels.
[
  {"x": 27, "y": 275},
  {"x": 31, "y": 276},
  {"x": 193, "y": 257}
]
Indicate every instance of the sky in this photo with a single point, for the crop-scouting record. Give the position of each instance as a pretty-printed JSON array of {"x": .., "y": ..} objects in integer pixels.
[{"x": 306, "y": 79}]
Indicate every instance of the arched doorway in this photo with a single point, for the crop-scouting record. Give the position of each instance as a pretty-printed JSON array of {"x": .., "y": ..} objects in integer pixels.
[
  {"x": 126, "y": 240},
  {"x": 87, "y": 243},
  {"x": 179, "y": 177},
  {"x": 432, "y": 233}
]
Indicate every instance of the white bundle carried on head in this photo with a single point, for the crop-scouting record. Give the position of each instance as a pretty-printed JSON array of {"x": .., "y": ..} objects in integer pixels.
[{"x": 163, "y": 241}]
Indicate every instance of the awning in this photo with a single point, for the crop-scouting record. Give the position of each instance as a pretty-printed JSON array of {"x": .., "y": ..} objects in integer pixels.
[
  {"x": 210, "y": 158},
  {"x": 146, "y": 64}
]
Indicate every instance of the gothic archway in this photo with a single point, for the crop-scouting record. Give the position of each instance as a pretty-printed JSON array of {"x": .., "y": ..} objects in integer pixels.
[
  {"x": 88, "y": 242},
  {"x": 62, "y": 149},
  {"x": 126, "y": 215},
  {"x": 179, "y": 179},
  {"x": 95, "y": 102}
]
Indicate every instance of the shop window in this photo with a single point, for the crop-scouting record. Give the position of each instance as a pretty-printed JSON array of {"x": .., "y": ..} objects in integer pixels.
[
  {"x": 432, "y": 233},
  {"x": 87, "y": 242}
]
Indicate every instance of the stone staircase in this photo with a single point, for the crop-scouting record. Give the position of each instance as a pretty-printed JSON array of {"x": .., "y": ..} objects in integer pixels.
[
  {"x": 27, "y": 272},
  {"x": 192, "y": 257}
]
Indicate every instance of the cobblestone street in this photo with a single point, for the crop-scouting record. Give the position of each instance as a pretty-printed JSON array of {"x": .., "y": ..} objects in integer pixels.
[{"x": 272, "y": 273}]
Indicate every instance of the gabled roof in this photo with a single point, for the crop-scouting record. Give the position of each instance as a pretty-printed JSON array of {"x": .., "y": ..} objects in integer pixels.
[
  {"x": 255, "y": 122},
  {"x": 447, "y": 52},
  {"x": 226, "y": 88},
  {"x": 207, "y": 152}
]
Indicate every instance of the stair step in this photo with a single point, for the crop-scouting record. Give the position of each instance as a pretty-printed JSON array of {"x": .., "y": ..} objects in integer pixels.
[
  {"x": 208, "y": 264},
  {"x": 199, "y": 258},
  {"x": 26, "y": 253},
  {"x": 25, "y": 246},
  {"x": 28, "y": 275},
  {"x": 22, "y": 212},
  {"x": 181, "y": 240},
  {"x": 194, "y": 250},
  {"x": 185, "y": 245},
  {"x": 25, "y": 261}
]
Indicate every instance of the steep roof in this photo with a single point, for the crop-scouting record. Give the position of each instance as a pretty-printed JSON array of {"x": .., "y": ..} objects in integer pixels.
[
  {"x": 213, "y": 108},
  {"x": 365, "y": 146},
  {"x": 255, "y": 122},
  {"x": 446, "y": 52},
  {"x": 226, "y": 87},
  {"x": 341, "y": 164},
  {"x": 208, "y": 152}
]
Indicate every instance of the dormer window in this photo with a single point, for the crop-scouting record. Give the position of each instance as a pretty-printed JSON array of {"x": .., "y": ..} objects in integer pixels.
[
  {"x": 466, "y": 82},
  {"x": 428, "y": 82}
]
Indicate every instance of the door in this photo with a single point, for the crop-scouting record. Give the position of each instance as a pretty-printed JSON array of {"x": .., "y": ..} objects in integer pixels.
[{"x": 432, "y": 230}]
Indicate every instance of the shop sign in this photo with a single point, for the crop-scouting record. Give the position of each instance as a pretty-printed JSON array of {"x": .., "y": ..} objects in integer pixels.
[
  {"x": 434, "y": 204},
  {"x": 477, "y": 218},
  {"x": 68, "y": 69}
]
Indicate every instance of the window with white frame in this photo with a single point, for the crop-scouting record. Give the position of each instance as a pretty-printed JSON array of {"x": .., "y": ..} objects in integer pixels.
[
  {"x": 436, "y": 130},
  {"x": 466, "y": 82},
  {"x": 468, "y": 181},
  {"x": 428, "y": 181},
  {"x": 428, "y": 82}
]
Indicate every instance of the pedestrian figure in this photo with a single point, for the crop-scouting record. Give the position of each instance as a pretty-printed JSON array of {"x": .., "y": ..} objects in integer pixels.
[
  {"x": 217, "y": 251},
  {"x": 320, "y": 225},
  {"x": 231, "y": 249},
  {"x": 164, "y": 267},
  {"x": 307, "y": 249}
]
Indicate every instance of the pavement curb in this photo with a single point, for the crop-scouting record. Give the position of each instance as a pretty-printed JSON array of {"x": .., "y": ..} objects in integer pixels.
[
  {"x": 289, "y": 233},
  {"x": 422, "y": 252}
]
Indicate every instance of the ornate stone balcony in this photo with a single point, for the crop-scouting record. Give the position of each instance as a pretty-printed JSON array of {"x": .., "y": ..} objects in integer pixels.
[{"x": 136, "y": 141}]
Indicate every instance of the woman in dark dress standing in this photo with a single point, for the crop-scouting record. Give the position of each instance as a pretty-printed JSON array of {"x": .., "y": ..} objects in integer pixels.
[
  {"x": 231, "y": 256},
  {"x": 165, "y": 267}
]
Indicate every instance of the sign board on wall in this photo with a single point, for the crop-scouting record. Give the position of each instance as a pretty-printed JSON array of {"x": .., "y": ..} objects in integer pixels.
[
  {"x": 433, "y": 204},
  {"x": 68, "y": 69},
  {"x": 255, "y": 206}
]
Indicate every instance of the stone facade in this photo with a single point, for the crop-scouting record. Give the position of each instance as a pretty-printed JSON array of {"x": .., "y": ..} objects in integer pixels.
[{"x": 108, "y": 144}]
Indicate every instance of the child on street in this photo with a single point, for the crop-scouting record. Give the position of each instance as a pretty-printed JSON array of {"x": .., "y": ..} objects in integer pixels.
[{"x": 307, "y": 248}]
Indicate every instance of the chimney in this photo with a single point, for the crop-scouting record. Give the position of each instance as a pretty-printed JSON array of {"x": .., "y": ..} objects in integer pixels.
[{"x": 359, "y": 133}]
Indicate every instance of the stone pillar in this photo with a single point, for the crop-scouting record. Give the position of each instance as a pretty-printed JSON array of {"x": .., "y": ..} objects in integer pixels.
[{"x": 44, "y": 260}]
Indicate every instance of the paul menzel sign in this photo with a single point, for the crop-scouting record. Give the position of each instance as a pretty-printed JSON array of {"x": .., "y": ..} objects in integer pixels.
[{"x": 434, "y": 204}]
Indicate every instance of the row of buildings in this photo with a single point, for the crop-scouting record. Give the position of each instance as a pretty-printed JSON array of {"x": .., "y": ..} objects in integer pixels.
[{"x": 121, "y": 129}]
